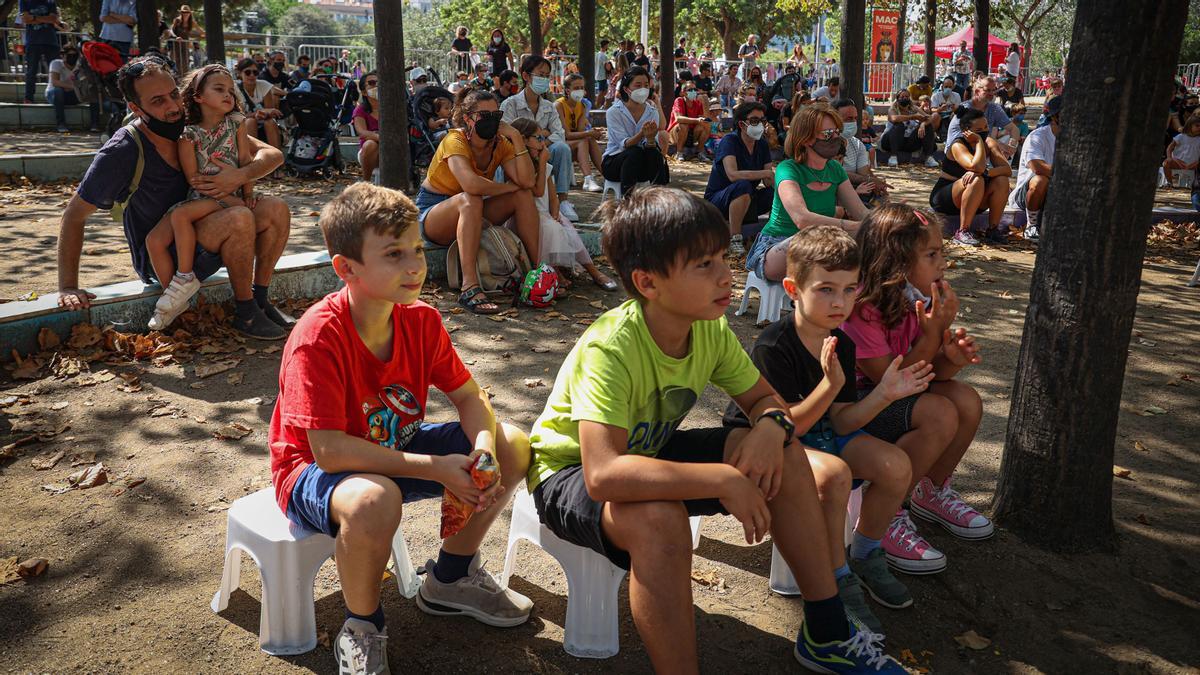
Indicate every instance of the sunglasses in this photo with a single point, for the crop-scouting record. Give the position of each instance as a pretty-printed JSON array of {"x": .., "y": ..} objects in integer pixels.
[
  {"x": 138, "y": 69},
  {"x": 828, "y": 134},
  {"x": 251, "y": 72},
  {"x": 486, "y": 114},
  {"x": 372, "y": 83}
]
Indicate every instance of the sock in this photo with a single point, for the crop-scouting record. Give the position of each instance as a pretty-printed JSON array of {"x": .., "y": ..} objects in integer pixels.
[
  {"x": 185, "y": 277},
  {"x": 862, "y": 546},
  {"x": 260, "y": 295},
  {"x": 245, "y": 309},
  {"x": 376, "y": 617},
  {"x": 451, "y": 567},
  {"x": 735, "y": 237},
  {"x": 1034, "y": 217},
  {"x": 842, "y": 572},
  {"x": 826, "y": 620}
]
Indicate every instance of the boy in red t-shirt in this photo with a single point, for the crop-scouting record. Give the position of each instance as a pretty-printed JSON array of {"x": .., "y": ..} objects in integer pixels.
[{"x": 349, "y": 444}]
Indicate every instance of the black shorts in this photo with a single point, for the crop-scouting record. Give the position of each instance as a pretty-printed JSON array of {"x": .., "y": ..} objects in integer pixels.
[
  {"x": 941, "y": 198},
  {"x": 893, "y": 421},
  {"x": 566, "y": 509}
]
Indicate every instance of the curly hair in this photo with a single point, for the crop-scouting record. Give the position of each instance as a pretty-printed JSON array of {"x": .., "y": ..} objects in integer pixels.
[
  {"x": 193, "y": 85},
  {"x": 467, "y": 102},
  {"x": 888, "y": 243}
]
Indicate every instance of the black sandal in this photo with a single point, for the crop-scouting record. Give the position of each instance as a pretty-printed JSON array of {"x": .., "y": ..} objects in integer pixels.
[{"x": 473, "y": 298}]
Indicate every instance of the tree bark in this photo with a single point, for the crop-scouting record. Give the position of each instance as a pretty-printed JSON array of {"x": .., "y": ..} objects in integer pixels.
[
  {"x": 1055, "y": 487},
  {"x": 534, "y": 8},
  {"x": 901, "y": 25},
  {"x": 854, "y": 14},
  {"x": 930, "y": 37},
  {"x": 214, "y": 31},
  {"x": 666, "y": 55},
  {"x": 587, "y": 46},
  {"x": 979, "y": 50},
  {"x": 147, "y": 24},
  {"x": 729, "y": 36},
  {"x": 394, "y": 162}
]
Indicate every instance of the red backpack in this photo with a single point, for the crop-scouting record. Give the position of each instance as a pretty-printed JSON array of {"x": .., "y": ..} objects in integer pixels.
[{"x": 103, "y": 58}]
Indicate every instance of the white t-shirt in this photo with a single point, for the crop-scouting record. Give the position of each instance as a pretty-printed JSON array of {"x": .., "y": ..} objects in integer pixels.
[
  {"x": 601, "y": 59},
  {"x": 823, "y": 91},
  {"x": 65, "y": 76},
  {"x": 1038, "y": 145},
  {"x": 963, "y": 62},
  {"x": 261, "y": 89},
  {"x": 1187, "y": 148},
  {"x": 942, "y": 97},
  {"x": 1013, "y": 65},
  {"x": 856, "y": 158}
]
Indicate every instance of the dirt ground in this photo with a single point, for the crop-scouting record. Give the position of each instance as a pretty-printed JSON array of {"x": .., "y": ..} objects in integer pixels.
[{"x": 133, "y": 565}]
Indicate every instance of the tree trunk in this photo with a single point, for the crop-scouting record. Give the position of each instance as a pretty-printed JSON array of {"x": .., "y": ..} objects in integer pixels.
[
  {"x": 854, "y": 14},
  {"x": 587, "y": 46},
  {"x": 1055, "y": 487},
  {"x": 666, "y": 55},
  {"x": 901, "y": 25},
  {"x": 394, "y": 163},
  {"x": 729, "y": 36},
  {"x": 147, "y": 24},
  {"x": 930, "y": 37},
  {"x": 214, "y": 31},
  {"x": 534, "y": 7},
  {"x": 983, "y": 60}
]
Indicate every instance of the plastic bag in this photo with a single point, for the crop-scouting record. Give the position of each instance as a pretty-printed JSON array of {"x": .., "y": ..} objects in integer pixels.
[{"x": 455, "y": 512}]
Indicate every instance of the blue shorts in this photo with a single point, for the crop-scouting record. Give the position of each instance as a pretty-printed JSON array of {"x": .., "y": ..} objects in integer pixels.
[
  {"x": 313, "y": 491},
  {"x": 827, "y": 441},
  {"x": 758, "y": 252},
  {"x": 425, "y": 201}
]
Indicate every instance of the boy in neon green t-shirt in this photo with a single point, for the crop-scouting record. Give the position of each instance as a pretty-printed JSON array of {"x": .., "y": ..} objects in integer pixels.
[{"x": 612, "y": 473}]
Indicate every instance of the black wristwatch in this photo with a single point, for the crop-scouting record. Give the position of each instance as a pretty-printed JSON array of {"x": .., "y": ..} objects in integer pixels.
[{"x": 782, "y": 419}]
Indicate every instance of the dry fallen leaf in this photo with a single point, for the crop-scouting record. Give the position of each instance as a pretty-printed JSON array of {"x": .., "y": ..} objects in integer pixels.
[
  {"x": 1122, "y": 472},
  {"x": 59, "y": 405},
  {"x": 1141, "y": 518},
  {"x": 8, "y": 570},
  {"x": 47, "y": 339},
  {"x": 96, "y": 474},
  {"x": 209, "y": 369},
  {"x": 47, "y": 460},
  {"x": 1140, "y": 446},
  {"x": 85, "y": 457},
  {"x": 32, "y": 567},
  {"x": 1151, "y": 410},
  {"x": 232, "y": 432},
  {"x": 597, "y": 304},
  {"x": 235, "y": 378},
  {"x": 972, "y": 640},
  {"x": 536, "y": 349},
  {"x": 533, "y": 382},
  {"x": 323, "y": 639},
  {"x": 10, "y": 450}
]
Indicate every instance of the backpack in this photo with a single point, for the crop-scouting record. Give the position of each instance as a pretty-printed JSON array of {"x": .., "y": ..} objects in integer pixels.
[
  {"x": 117, "y": 212},
  {"x": 502, "y": 261},
  {"x": 87, "y": 83}
]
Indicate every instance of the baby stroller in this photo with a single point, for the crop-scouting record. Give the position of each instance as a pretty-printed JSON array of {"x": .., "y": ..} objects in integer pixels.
[
  {"x": 314, "y": 145},
  {"x": 96, "y": 81},
  {"x": 421, "y": 143}
]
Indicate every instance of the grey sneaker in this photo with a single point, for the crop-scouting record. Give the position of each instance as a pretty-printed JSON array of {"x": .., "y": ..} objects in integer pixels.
[
  {"x": 476, "y": 595},
  {"x": 736, "y": 247},
  {"x": 361, "y": 649},
  {"x": 855, "y": 601},
  {"x": 965, "y": 238},
  {"x": 259, "y": 327},
  {"x": 279, "y": 318},
  {"x": 880, "y": 582}
]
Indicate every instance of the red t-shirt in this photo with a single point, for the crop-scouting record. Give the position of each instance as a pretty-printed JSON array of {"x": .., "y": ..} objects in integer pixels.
[
  {"x": 328, "y": 379},
  {"x": 682, "y": 106}
]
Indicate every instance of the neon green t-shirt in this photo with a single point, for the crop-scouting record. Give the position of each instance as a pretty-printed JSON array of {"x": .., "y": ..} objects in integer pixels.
[
  {"x": 822, "y": 203},
  {"x": 617, "y": 375}
]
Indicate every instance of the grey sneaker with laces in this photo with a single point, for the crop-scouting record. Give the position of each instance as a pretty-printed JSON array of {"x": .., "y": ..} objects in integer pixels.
[
  {"x": 855, "y": 601},
  {"x": 880, "y": 582},
  {"x": 737, "y": 248},
  {"x": 361, "y": 649},
  {"x": 477, "y": 595}
]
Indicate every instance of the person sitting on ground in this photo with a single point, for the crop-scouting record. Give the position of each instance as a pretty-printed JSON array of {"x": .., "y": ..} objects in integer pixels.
[
  {"x": 349, "y": 442},
  {"x": 729, "y": 86},
  {"x": 1184, "y": 151},
  {"x": 509, "y": 85},
  {"x": 634, "y": 153},
  {"x": 945, "y": 101},
  {"x": 925, "y": 105},
  {"x": 900, "y": 253},
  {"x": 857, "y": 160},
  {"x": 800, "y": 99},
  {"x": 682, "y": 78},
  {"x": 1010, "y": 96},
  {"x": 909, "y": 129},
  {"x": 459, "y": 83},
  {"x": 612, "y": 473},
  {"x": 276, "y": 71},
  {"x": 366, "y": 124},
  {"x": 532, "y": 103},
  {"x": 301, "y": 72},
  {"x": 688, "y": 121},
  {"x": 581, "y": 137},
  {"x": 742, "y": 181},
  {"x": 459, "y": 192},
  {"x": 481, "y": 81},
  {"x": 216, "y": 136},
  {"x": 561, "y": 245},
  {"x": 755, "y": 79},
  {"x": 811, "y": 363},
  {"x": 60, "y": 90},
  {"x": 1037, "y": 167},
  {"x": 246, "y": 241},
  {"x": 983, "y": 91},
  {"x": 831, "y": 91},
  {"x": 810, "y": 189},
  {"x": 418, "y": 79},
  {"x": 260, "y": 100},
  {"x": 922, "y": 87},
  {"x": 974, "y": 179}
]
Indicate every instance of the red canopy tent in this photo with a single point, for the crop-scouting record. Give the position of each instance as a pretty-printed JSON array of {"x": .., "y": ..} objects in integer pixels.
[{"x": 944, "y": 48}]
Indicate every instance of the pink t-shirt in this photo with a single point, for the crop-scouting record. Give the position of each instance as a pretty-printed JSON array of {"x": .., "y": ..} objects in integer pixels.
[
  {"x": 372, "y": 121},
  {"x": 872, "y": 339}
]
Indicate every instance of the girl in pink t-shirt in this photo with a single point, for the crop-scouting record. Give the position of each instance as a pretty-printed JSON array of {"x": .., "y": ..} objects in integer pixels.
[{"x": 905, "y": 308}]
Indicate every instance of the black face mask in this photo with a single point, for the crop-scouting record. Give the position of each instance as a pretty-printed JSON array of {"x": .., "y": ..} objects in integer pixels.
[
  {"x": 488, "y": 126},
  {"x": 71, "y": 60},
  {"x": 278, "y": 66},
  {"x": 168, "y": 130},
  {"x": 828, "y": 149}
]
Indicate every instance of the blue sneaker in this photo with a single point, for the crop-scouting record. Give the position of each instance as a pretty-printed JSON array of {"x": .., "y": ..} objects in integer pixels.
[{"x": 861, "y": 653}]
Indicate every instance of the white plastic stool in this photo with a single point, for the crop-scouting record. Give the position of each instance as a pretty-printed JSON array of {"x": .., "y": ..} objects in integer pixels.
[
  {"x": 288, "y": 560},
  {"x": 1183, "y": 177},
  {"x": 782, "y": 580},
  {"x": 592, "y": 581},
  {"x": 771, "y": 298},
  {"x": 613, "y": 185}
]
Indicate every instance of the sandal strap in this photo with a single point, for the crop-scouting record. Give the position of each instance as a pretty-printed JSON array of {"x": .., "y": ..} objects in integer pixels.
[{"x": 472, "y": 298}]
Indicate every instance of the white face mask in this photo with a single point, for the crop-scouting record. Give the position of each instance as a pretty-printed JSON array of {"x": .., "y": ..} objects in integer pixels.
[
  {"x": 577, "y": 95},
  {"x": 849, "y": 129},
  {"x": 755, "y": 131},
  {"x": 373, "y": 92},
  {"x": 640, "y": 95}
]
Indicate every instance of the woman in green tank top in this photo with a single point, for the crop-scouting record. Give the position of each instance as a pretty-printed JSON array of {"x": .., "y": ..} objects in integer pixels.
[{"x": 811, "y": 189}]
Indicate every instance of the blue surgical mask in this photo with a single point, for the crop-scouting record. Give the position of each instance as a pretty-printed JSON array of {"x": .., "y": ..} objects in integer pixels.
[
  {"x": 540, "y": 85},
  {"x": 849, "y": 129},
  {"x": 912, "y": 294}
]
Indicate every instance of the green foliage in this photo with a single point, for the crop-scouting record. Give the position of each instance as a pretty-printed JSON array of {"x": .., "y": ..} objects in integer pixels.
[
  {"x": 425, "y": 30},
  {"x": 1190, "y": 51},
  {"x": 303, "y": 20}
]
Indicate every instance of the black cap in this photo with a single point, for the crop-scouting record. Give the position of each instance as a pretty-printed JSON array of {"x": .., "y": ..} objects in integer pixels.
[
  {"x": 924, "y": 79},
  {"x": 1053, "y": 107}
]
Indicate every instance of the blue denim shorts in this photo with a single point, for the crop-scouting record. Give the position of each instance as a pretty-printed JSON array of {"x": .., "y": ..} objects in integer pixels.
[
  {"x": 758, "y": 252},
  {"x": 309, "y": 505},
  {"x": 827, "y": 441},
  {"x": 425, "y": 201}
]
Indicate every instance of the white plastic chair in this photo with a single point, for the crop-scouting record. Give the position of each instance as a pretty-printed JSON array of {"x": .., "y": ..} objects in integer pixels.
[
  {"x": 613, "y": 185},
  {"x": 288, "y": 559},
  {"x": 782, "y": 581},
  {"x": 592, "y": 581},
  {"x": 771, "y": 298},
  {"x": 1183, "y": 177}
]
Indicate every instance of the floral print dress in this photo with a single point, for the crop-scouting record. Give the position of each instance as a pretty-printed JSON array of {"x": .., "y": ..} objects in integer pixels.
[{"x": 215, "y": 148}]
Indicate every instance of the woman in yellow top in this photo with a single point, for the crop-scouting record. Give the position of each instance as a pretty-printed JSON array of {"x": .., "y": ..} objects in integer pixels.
[
  {"x": 581, "y": 138},
  {"x": 458, "y": 192}
]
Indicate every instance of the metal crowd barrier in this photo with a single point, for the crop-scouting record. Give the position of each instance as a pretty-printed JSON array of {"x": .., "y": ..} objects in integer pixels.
[{"x": 357, "y": 53}]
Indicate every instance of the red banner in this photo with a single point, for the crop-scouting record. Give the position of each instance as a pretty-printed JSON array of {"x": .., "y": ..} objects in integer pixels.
[{"x": 884, "y": 48}]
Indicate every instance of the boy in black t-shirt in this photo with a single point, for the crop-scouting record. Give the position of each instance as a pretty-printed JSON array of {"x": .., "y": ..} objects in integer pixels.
[{"x": 811, "y": 363}]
